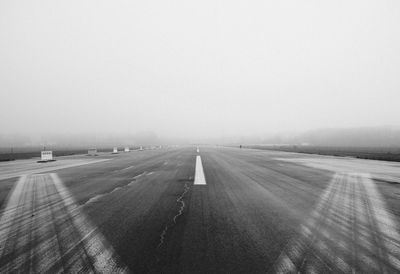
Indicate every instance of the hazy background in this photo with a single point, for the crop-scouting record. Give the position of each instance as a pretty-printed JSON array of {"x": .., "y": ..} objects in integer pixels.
[{"x": 198, "y": 71}]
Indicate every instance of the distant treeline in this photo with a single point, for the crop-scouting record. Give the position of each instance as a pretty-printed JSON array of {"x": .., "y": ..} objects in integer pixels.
[{"x": 372, "y": 153}]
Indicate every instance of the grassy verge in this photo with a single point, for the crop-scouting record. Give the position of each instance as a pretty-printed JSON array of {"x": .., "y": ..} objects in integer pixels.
[{"x": 372, "y": 153}]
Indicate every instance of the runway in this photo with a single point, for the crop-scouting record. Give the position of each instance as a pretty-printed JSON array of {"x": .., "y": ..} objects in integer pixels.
[{"x": 258, "y": 212}]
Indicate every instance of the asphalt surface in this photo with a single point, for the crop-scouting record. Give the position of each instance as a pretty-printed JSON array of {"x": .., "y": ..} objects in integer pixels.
[{"x": 258, "y": 212}]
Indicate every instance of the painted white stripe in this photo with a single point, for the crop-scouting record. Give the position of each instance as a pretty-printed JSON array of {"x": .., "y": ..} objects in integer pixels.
[
  {"x": 198, "y": 150},
  {"x": 199, "y": 178}
]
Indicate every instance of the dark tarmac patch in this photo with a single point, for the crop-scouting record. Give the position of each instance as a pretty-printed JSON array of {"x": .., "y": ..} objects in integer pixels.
[
  {"x": 386, "y": 181},
  {"x": 184, "y": 180}
]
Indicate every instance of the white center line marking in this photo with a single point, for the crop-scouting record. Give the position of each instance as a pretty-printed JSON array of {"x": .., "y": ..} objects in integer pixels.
[{"x": 199, "y": 178}]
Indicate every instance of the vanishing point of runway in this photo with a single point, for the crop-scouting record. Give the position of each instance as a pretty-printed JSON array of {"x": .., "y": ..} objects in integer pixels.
[{"x": 253, "y": 212}]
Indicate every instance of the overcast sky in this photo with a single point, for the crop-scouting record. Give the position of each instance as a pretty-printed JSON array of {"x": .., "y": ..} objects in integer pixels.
[{"x": 198, "y": 68}]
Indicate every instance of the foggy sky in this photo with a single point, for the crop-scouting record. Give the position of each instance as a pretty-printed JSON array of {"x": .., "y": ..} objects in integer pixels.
[{"x": 198, "y": 68}]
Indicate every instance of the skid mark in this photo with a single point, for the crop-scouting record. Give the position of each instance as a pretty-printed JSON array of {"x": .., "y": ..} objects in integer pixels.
[
  {"x": 349, "y": 231},
  {"x": 43, "y": 230}
]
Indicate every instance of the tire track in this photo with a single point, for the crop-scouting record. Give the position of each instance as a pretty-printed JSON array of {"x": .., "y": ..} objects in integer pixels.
[
  {"x": 11, "y": 245},
  {"x": 373, "y": 228},
  {"x": 42, "y": 230},
  {"x": 388, "y": 229},
  {"x": 383, "y": 228},
  {"x": 349, "y": 231},
  {"x": 293, "y": 255},
  {"x": 30, "y": 264},
  {"x": 354, "y": 225},
  {"x": 102, "y": 255},
  {"x": 68, "y": 239},
  {"x": 317, "y": 260}
]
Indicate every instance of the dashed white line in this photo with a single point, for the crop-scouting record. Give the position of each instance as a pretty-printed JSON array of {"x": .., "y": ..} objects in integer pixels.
[{"x": 199, "y": 178}]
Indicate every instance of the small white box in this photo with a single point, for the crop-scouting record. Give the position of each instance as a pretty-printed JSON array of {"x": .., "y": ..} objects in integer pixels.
[{"x": 47, "y": 155}]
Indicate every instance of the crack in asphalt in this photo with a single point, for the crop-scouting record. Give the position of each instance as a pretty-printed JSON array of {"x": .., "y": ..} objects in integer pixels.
[
  {"x": 180, "y": 200},
  {"x": 180, "y": 212},
  {"x": 162, "y": 236}
]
